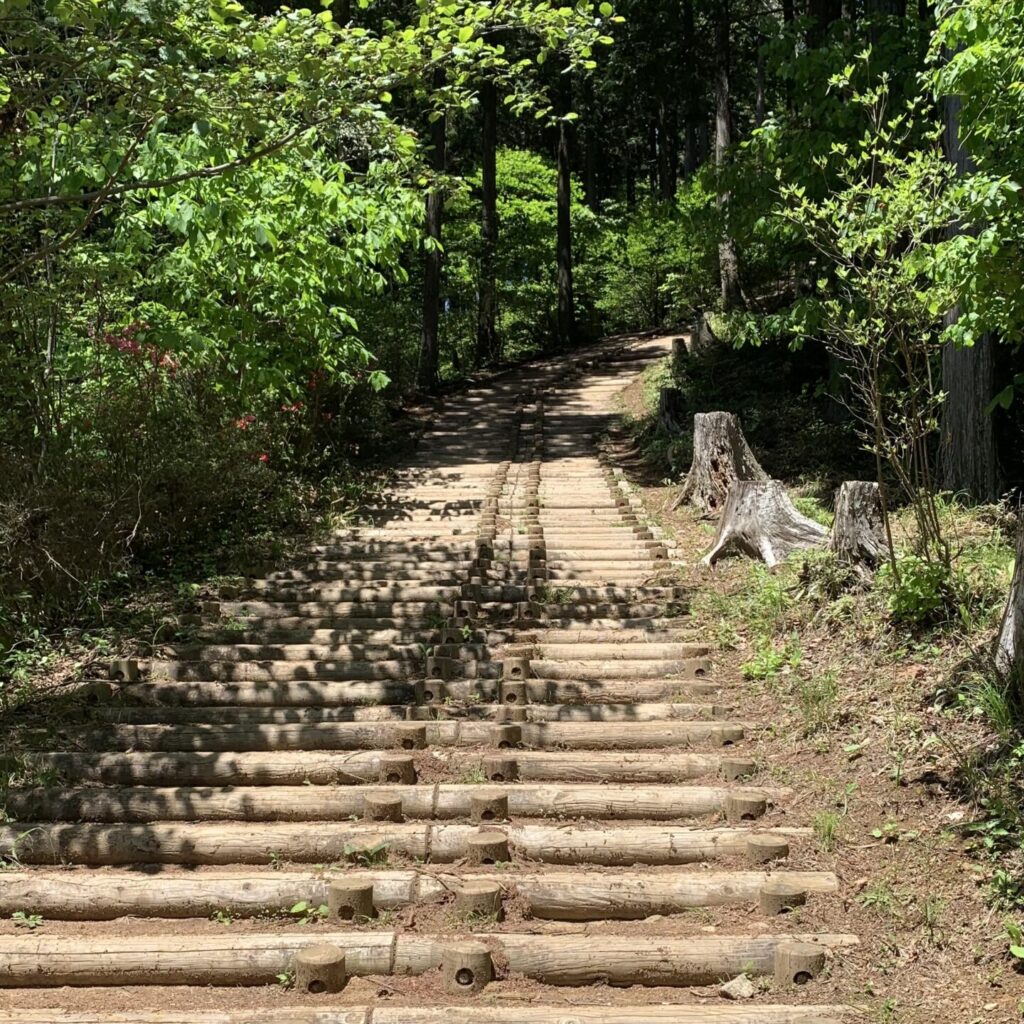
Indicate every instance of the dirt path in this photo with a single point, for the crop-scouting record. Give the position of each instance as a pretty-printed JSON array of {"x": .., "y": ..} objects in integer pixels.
[{"x": 472, "y": 745}]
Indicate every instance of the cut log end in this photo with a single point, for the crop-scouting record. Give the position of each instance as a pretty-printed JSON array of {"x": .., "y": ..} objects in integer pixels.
[
  {"x": 319, "y": 969},
  {"x": 466, "y": 967}
]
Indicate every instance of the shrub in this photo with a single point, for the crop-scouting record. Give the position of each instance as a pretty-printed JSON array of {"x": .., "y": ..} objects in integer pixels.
[{"x": 921, "y": 594}]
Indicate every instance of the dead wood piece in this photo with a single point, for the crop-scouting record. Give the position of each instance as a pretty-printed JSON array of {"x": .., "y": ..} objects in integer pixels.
[
  {"x": 721, "y": 457},
  {"x": 760, "y": 520},
  {"x": 1009, "y": 648},
  {"x": 858, "y": 532}
]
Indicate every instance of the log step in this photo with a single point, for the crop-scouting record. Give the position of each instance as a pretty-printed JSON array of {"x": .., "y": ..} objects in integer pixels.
[
  {"x": 258, "y": 959},
  {"x": 321, "y": 843},
  {"x": 360, "y": 736},
  {"x": 327, "y": 693},
  {"x": 433, "y": 712},
  {"x": 339, "y": 768},
  {"x": 556, "y": 895},
  {"x": 446, "y": 801}
]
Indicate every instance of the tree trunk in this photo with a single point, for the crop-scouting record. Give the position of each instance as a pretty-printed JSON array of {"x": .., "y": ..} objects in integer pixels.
[
  {"x": 592, "y": 147},
  {"x": 690, "y": 156},
  {"x": 878, "y": 14},
  {"x": 760, "y": 99},
  {"x": 822, "y": 15},
  {"x": 1009, "y": 648},
  {"x": 760, "y": 520},
  {"x": 488, "y": 345},
  {"x": 666, "y": 152},
  {"x": 728, "y": 257},
  {"x": 858, "y": 533},
  {"x": 968, "y": 462},
  {"x": 671, "y": 410},
  {"x": 427, "y": 371},
  {"x": 566, "y": 302},
  {"x": 721, "y": 457}
]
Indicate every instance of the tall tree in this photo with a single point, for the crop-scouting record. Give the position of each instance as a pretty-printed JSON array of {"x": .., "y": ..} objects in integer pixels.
[
  {"x": 488, "y": 344},
  {"x": 728, "y": 256},
  {"x": 690, "y": 85},
  {"x": 968, "y": 462},
  {"x": 566, "y": 302},
  {"x": 822, "y": 14},
  {"x": 427, "y": 374}
]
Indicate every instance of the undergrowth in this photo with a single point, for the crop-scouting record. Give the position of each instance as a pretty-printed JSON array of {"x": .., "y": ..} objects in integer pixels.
[{"x": 942, "y": 623}]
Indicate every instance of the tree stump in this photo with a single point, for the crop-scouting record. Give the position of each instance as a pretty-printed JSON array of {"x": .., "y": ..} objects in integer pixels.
[
  {"x": 858, "y": 532},
  {"x": 671, "y": 411},
  {"x": 1009, "y": 649},
  {"x": 760, "y": 520},
  {"x": 703, "y": 337},
  {"x": 721, "y": 457}
]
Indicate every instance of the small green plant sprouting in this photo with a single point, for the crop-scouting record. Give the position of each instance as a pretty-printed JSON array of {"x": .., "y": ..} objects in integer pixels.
[
  {"x": 369, "y": 856},
  {"x": 222, "y": 917},
  {"x": 890, "y": 832},
  {"x": 1015, "y": 933},
  {"x": 285, "y": 979},
  {"x": 826, "y": 829},
  {"x": 276, "y": 861},
  {"x": 931, "y": 919},
  {"x": 308, "y": 913},
  {"x": 473, "y": 777},
  {"x": 29, "y": 921},
  {"x": 817, "y": 697}
]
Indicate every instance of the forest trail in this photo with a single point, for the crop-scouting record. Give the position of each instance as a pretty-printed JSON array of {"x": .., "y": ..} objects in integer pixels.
[{"x": 476, "y": 728}]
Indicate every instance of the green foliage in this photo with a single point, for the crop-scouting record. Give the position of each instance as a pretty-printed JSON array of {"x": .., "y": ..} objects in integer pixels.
[
  {"x": 308, "y": 913},
  {"x": 23, "y": 920},
  {"x": 920, "y": 594},
  {"x": 204, "y": 229},
  {"x": 978, "y": 55}
]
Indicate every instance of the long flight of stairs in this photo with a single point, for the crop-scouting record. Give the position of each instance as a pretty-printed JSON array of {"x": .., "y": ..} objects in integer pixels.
[{"x": 466, "y": 764}]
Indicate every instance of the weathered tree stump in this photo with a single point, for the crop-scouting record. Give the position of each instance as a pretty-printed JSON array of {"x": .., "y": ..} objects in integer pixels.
[
  {"x": 1009, "y": 649},
  {"x": 671, "y": 411},
  {"x": 703, "y": 337},
  {"x": 760, "y": 520},
  {"x": 721, "y": 457},
  {"x": 858, "y": 532}
]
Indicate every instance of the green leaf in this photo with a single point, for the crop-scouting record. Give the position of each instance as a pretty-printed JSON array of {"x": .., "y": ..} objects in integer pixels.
[{"x": 1002, "y": 401}]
